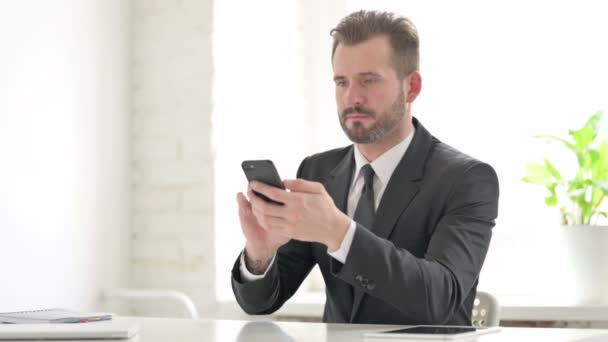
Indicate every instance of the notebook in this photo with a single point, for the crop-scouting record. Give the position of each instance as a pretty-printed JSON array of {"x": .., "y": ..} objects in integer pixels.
[
  {"x": 114, "y": 329},
  {"x": 53, "y": 316}
]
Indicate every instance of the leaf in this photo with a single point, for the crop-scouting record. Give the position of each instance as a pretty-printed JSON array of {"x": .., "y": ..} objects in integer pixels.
[
  {"x": 603, "y": 185},
  {"x": 601, "y": 167},
  {"x": 538, "y": 174},
  {"x": 594, "y": 164},
  {"x": 552, "y": 169},
  {"x": 595, "y": 120},
  {"x": 552, "y": 199},
  {"x": 586, "y": 135},
  {"x": 576, "y": 189},
  {"x": 551, "y": 138},
  {"x": 597, "y": 195},
  {"x": 583, "y": 137}
]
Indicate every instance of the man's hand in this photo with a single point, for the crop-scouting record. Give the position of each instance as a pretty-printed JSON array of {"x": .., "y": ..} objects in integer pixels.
[
  {"x": 308, "y": 213},
  {"x": 261, "y": 243}
]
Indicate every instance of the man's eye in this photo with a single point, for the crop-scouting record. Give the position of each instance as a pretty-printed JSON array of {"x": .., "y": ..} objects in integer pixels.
[
  {"x": 340, "y": 83},
  {"x": 369, "y": 81}
]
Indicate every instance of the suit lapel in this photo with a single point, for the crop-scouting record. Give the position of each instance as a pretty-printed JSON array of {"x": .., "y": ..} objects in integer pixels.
[
  {"x": 400, "y": 191},
  {"x": 338, "y": 182},
  {"x": 404, "y": 183}
]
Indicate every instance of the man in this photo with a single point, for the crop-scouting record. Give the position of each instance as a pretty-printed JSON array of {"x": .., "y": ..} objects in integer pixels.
[{"x": 399, "y": 223}]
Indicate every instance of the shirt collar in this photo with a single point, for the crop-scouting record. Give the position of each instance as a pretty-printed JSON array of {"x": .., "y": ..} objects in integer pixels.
[{"x": 385, "y": 165}]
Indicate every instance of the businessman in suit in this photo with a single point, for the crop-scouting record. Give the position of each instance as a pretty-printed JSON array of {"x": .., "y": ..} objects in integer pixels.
[{"x": 399, "y": 222}]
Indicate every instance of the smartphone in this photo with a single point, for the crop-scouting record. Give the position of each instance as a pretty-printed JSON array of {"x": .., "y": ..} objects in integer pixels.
[{"x": 263, "y": 171}]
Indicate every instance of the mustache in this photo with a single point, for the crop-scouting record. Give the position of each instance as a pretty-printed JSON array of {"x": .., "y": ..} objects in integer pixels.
[{"x": 358, "y": 109}]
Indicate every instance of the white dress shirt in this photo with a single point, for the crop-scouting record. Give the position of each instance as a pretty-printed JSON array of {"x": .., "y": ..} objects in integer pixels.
[{"x": 383, "y": 167}]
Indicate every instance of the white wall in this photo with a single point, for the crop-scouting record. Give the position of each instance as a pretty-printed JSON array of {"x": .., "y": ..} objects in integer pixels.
[
  {"x": 64, "y": 198},
  {"x": 172, "y": 160}
]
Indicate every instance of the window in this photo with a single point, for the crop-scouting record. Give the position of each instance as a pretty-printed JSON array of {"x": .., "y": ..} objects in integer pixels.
[
  {"x": 494, "y": 75},
  {"x": 258, "y": 108}
]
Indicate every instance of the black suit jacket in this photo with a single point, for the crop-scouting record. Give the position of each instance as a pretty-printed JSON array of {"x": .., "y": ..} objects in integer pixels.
[{"x": 418, "y": 264}]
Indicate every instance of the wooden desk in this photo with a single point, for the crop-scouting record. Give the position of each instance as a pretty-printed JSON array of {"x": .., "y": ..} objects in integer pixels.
[{"x": 185, "y": 330}]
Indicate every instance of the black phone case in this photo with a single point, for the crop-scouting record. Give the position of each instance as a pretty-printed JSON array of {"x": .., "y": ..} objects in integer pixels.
[{"x": 263, "y": 171}]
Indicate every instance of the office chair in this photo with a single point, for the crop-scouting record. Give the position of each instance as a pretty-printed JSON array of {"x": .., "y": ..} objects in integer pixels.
[
  {"x": 486, "y": 310},
  {"x": 180, "y": 299}
]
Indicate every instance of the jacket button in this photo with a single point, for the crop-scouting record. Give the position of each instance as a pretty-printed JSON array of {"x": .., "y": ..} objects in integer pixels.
[
  {"x": 358, "y": 278},
  {"x": 371, "y": 286}
]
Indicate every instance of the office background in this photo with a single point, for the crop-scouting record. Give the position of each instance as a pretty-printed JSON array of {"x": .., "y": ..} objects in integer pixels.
[{"x": 123, "y": 124}]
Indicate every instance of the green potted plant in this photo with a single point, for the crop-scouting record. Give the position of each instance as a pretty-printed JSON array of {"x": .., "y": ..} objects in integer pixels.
[{"x": 579, "y": 199}]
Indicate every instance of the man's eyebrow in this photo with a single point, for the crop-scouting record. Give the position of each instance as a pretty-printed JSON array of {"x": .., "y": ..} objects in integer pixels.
[
  {"x": 369, "y": 73},
  {"x": 364, "y": 74}
]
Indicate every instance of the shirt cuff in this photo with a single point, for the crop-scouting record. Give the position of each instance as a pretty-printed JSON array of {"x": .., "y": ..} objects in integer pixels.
[
  {"x": 341, "y": 253},
  {"x": 247, "y": 276}
]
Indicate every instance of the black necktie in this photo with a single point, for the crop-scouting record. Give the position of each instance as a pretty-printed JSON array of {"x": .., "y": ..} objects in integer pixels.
[{"x": 364, "y": 214}]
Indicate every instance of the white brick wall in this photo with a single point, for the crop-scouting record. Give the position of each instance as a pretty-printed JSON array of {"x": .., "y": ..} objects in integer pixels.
[{"x": 172, "y": 161}]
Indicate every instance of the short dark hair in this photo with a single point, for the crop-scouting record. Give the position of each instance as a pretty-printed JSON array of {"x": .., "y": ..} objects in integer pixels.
[{"x": 362, "y": 25}]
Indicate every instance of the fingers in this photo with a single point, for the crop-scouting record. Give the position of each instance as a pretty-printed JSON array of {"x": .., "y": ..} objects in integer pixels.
[
  {"x": 272, "y": 192},
  {"x": 275, "y": 224},
  {"x": 262, "y": 208},
  {"x": 244, "y": 205},
  {"x": 241, "y": 200},
  {"x": 302, "y": 185}
]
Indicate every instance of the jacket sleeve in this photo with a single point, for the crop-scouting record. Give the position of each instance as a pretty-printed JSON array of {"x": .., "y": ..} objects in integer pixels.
[
  {"x": 430, "y": 288},
  {"x": 293, "y": 263}
]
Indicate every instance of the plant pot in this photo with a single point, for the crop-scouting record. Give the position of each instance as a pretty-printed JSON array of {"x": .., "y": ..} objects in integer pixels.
[{"x": 586, "y": 263}]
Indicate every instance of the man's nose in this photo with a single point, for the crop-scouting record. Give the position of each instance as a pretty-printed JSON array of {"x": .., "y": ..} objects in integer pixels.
[{"x": 354, "y": 96}]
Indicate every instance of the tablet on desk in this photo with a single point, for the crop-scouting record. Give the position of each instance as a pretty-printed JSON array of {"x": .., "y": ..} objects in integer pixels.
[
  {"x": 432, "y": 332},
  {"x": 69, "y": 331}
]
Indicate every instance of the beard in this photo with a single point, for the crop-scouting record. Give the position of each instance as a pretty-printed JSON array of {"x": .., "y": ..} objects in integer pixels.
[{"x": 385, "y": 124}]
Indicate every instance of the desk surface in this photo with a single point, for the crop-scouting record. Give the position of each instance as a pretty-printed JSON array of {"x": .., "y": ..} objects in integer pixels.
[{"x": 185, "y": 330}]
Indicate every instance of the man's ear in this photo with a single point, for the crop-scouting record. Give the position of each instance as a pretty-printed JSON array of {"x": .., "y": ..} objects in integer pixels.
[{"x": 412, "y": 84}]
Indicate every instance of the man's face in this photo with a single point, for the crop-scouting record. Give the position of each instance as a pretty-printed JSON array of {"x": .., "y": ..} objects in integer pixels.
[{"x": 369, "y": 95}]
